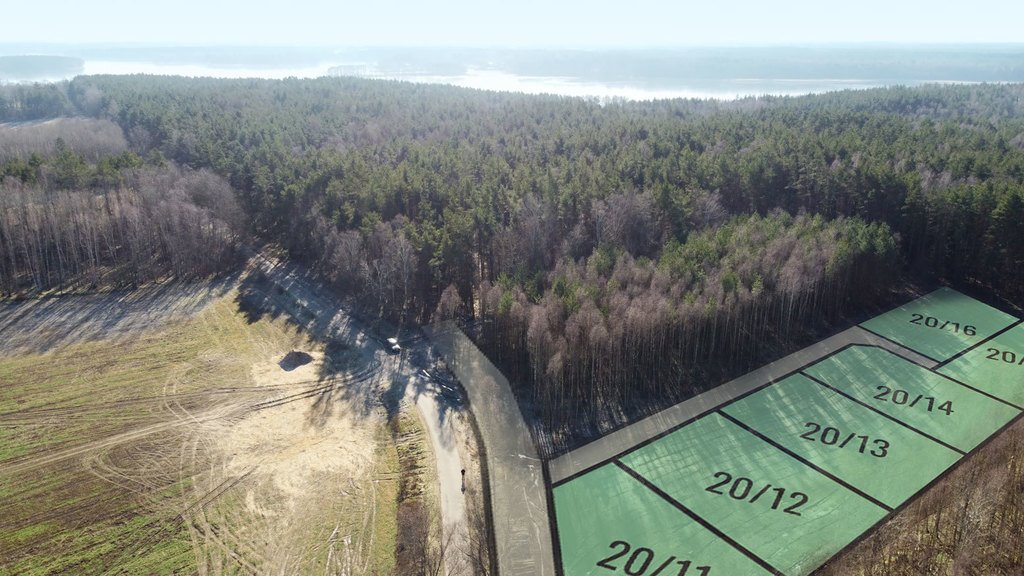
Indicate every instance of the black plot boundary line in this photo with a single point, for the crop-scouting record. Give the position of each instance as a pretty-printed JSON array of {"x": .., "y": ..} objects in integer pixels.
[
  {"x": 697, "y": 518},
  {"x": 978, "y": 344},
  {"x": 934, "y": 371},
  {"x": 892, "y": 512},
  {"x": 887, "y": 416},
  {"x": 978, "y": 390},
  {"x": 900, "y": 306},
  {"x": 621, "y": 426},
  {"x": 871, "y": 530},
  {"x": 900, "y": 344},
  {"x": 865, "y": 345},
  {"x": 771, "y": 381},
  {"x": 556, "y": 543},
  {"x": 698, "y": 416},
  {"x": 808, "y": 463}
]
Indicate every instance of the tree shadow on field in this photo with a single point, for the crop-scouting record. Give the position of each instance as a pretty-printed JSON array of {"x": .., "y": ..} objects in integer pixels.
[
  {"x": 426, "y": 375},
  {"x": 349, "y": 370},
  {"x": 39, "y": 325},
  {"x": 352, "y": 362},
  {"x": 284, "y": 292}
]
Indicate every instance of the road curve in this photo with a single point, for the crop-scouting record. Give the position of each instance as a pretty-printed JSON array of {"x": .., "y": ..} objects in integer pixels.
[
  {"x": 332, "y": 318},
  {"x": 449, "y": 478},
  {"x": 518, "y": 496}
]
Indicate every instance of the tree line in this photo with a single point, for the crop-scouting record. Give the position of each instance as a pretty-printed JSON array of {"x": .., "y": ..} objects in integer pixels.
[
  {"x": 969, "y": 523},
  {"x": 157, "y": 222},
  {"x": 612, "y": 252},
  {"x": 92, "y": 138},
  {"x": 611, "y": 331}
]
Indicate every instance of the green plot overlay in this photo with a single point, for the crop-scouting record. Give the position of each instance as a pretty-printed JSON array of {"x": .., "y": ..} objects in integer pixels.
[
  {"x": 929, "y": 402},
  {"x": 785, "y": 512},
  {"x": 883, "y": 458},
  {"x": 608, "y": 520},
  {"x": 941, "y": 324},
  {"x": 996, "y": 367},
  {"x": 780, "y": 480}
]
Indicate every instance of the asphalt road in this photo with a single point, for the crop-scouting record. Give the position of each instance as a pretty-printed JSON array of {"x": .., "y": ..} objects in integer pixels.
[
  {"x": 449, "y": 473},
  {"x": 518, "y": 495}
]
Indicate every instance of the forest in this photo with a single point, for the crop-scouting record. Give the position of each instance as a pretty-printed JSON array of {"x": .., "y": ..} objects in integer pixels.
[
  {"x": 106, "y": 218},
  {"x": 613, "y": 257}
]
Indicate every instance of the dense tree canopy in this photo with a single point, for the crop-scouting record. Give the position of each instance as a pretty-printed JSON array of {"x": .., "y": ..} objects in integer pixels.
[
  {"x": 69, "y": 224},
  {"x": 609, "y": 249}
]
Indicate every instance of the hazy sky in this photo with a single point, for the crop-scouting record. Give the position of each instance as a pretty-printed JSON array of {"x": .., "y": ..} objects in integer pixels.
[{"x": 510, "y": 23}]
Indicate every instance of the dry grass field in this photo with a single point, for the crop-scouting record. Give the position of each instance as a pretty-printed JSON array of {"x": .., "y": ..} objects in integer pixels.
[{"x": 185, "y": 445}]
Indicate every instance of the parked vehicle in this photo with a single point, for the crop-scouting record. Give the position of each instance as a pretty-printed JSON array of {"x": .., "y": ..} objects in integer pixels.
[{"x": 392, "y": 346}]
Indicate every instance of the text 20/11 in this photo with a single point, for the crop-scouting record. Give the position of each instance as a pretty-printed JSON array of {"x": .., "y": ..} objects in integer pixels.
[{"x": 643, "y": 559}]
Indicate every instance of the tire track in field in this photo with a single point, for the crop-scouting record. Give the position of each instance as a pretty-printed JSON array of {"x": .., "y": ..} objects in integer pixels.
[
  {"x": 228, "y": 411},
  {"x": 221, "y": 542},
  {"x": 213, "y": 552},
  {"x": 222, "y": 539},
  {"x": 33, "y": 414}
]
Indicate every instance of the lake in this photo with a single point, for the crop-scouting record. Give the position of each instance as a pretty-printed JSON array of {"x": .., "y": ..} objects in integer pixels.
[{"x": 724, "y": 73}]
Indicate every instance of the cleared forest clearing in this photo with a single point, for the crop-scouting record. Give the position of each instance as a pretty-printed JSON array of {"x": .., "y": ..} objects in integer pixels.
[{"x": 188, "y": 446}]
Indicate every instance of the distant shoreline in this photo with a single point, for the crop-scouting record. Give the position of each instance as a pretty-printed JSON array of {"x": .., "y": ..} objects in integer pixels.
[{"x": 719, "y": 73}]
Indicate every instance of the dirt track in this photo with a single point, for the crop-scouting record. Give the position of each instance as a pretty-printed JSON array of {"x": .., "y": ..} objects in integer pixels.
[
  {"x": 444, "y": 441},
  {"x": 211, "y": 452},
  {"x": 216, "y": 449},
  {"x": 326, "y": 316},
  {"x": 518, "y": 498}
]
